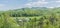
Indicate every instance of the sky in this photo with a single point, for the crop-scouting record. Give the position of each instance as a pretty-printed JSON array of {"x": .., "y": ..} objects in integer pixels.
[{"x": 15, "y": 4}]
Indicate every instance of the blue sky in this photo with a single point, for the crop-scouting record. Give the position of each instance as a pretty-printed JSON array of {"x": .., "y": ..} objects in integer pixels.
[{"x": 14, "y": 4}]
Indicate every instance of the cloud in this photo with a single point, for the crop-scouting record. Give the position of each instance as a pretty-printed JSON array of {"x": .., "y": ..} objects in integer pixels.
[
  {"x": 50, "y": 7},
  {"x": 43, "y": 3},
  {"x": 28, "y": 5},
  {"x": 2, "y": 5},
  {"x": 57, "y": 1},
  {"x": 57, "y": 5},
  {"x": 36, "y": 4},
  {"x": 43, "y": 0}
]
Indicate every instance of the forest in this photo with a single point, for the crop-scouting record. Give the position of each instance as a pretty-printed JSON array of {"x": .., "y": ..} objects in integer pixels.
[{"x": 35, "y": 17}]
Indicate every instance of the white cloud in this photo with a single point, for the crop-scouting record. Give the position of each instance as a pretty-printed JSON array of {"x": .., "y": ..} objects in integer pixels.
[
  {"x": 50, "y": 7},
  {"x": 37, "y": 0},
  {"x": 57, "y": 1},
  {"x": 28, "y": 5},
  {"x": 43, "y": 0},
  {"x": 54, "y": 6},
  {"x": 57, "y": 5},
  {"x": 36, "y": 4},
  {"x": 2, "y": 5}
]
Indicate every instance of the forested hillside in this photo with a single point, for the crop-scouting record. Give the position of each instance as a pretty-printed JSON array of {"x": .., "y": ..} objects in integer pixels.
[{"x": 35, "y": 17}]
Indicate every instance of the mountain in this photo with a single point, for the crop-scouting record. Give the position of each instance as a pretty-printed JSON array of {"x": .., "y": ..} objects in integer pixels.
[{"x": 39, "y": 8}]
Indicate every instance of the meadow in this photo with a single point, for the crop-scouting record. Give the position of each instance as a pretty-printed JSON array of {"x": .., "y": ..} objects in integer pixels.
[{"x": 30, "y": 18}]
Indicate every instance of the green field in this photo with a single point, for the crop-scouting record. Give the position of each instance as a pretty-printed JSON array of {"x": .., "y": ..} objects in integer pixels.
[{"x": 30, "y": 18}]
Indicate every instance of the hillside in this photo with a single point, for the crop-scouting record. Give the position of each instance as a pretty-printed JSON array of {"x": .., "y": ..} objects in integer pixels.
[{"x": 30, "y": 18}]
